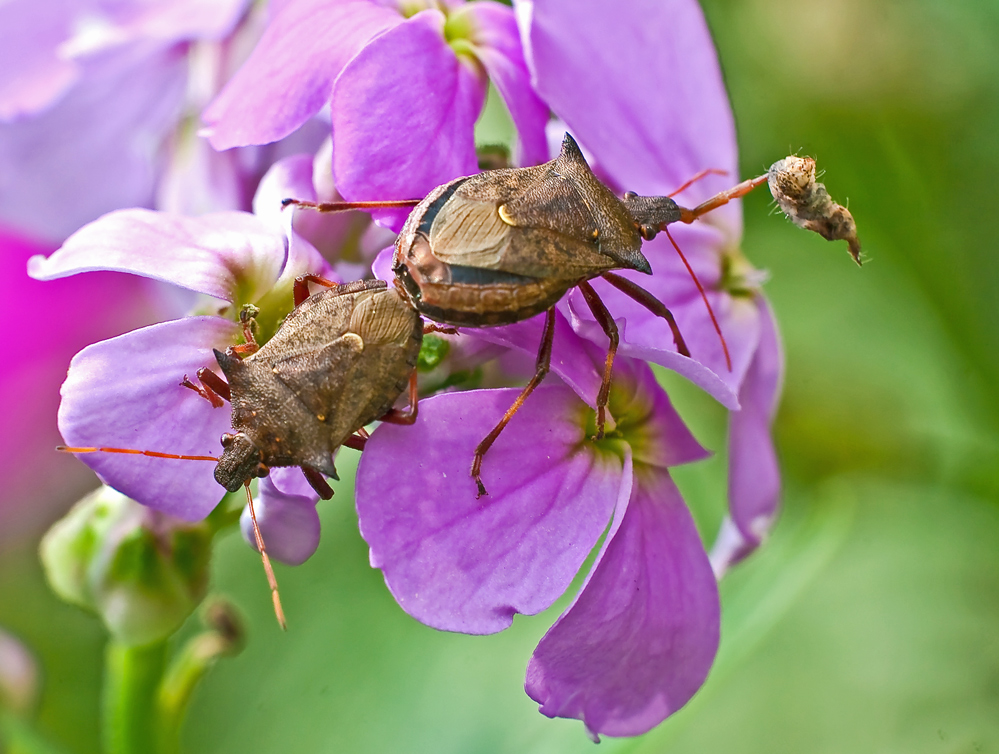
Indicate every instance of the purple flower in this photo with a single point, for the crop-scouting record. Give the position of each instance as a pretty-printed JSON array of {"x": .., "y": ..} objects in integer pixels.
[
  {"x": 404, "y": 82},
  {"x": 127, "y": 392},
  {"x": 651, "y": 145},
  {"x": 639, "y": 638},
  {"x": 90, "y": 91}
]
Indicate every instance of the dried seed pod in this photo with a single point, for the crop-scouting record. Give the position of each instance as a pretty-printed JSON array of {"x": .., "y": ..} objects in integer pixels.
[{"x": 808, "y": 204}]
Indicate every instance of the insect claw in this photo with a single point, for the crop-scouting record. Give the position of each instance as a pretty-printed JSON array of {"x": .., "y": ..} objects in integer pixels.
[{"x": 481, "y": 488}]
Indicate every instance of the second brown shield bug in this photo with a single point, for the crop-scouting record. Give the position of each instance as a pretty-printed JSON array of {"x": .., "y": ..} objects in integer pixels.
[{"x": 338, "y": 362}]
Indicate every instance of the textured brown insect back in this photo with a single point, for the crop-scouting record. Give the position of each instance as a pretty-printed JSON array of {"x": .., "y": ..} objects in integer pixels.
[
  {"x": 338, "y": 362},
  {"x": 504, "y": 245}
]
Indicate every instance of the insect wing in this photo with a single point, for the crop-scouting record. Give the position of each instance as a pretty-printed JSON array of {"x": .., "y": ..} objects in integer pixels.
[{"x": 318, "y": 377}]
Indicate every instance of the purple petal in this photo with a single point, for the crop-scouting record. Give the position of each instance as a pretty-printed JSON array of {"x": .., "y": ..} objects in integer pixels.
[
  {"x": 404, "y": 111},
  {"x": 641, "y": 636},
  {"x": 498, "y": 48},
  {"x": 381, "y": 268},
  {"x": 32, "y": 73},
  {"x": 97, "y": 149},
  {"x": 179, "y": 19},
  {"x": 290, "y": 74},
  {"x": 648, "y": 337},
  {"x": 754, "y": 475},
  {"x": 579, "y": 363},
  {"x": 664, "y": 114},
  {"x": 125, "y": 392},
  {"x": 461, "y": 564},
  {"x": 218, "y": 254},
  {"x": 290, "y": 177},
  {"x": 288, "y": 521}
]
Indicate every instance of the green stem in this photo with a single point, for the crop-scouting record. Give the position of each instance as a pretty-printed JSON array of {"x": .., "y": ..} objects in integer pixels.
[{"x": 131, "y": 679}]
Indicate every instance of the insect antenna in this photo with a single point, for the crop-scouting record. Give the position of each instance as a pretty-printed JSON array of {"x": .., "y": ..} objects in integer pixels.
[
  {"x": 268, "y": 569},
  {"x": 344, "y": 206},
  {"x": 703, "y": 174},
  {"x": 133, "y": 452},
  {"x": 721, "y": 198},
  {"x": 704, "y": 297}
]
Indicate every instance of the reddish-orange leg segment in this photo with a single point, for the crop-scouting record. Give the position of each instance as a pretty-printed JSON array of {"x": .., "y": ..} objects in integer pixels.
[
  {"x": 541, "y": 367},
  {"x": 318, "y": 482},
  {"x": 268, "y": 569},
  {"x": 301, "y": 286},
  {"x": 703, "y": 174},
  {"x": 213, "y": 388},
  {"x": 429, "y": 327},
  {"x": 609, "y": 326},
  {"x": 650, "y": 302},
  {"x": 721, "y": 198},
  {"x": 395, "y": 416}
]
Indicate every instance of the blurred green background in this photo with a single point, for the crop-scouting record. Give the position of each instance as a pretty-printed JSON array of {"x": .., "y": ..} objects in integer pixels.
[{"x": 871, "y": 620}]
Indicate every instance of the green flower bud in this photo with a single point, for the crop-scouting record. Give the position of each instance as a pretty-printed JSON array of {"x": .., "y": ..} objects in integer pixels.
[{"x": 142, "y": 572}]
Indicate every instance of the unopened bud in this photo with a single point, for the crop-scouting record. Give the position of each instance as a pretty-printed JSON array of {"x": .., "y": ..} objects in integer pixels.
[
  {"x": 141, "y": 571},
  {"x": 807, "y": 203}
]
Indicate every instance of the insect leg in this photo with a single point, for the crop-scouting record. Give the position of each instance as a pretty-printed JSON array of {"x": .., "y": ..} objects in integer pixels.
[
  {"x": 213, "y": 388},
  {"x": 355, "y": 442},
  {"x": 650, "y": 302},
  {"x": 395, "y": 416},
  {"x": 609, "y": 326},
  {"x": 301, "y": 287},
  {"x": 318, "y": 482},
  {"x": 429, "y": 327},
  {"x": 540, "y": 370}
]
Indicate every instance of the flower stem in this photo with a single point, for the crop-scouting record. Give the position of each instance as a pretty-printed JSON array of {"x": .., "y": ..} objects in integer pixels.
[{"x": 132, "y": 676}]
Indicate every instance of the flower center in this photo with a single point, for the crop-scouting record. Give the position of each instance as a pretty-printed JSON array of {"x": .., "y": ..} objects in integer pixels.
[{"x": 739, "y": 278}]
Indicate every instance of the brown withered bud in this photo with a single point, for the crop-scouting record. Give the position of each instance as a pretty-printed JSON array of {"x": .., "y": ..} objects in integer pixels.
[{"x": 807, "y": 203}]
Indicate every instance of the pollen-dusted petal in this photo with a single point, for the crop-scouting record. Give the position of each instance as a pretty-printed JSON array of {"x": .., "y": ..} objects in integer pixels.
[
  {"x": 647, "y": 420},
  {"x": 219, "y": 254},
  {"x": 288, "y": 521},
  {"x": 125, "y": 392},
  {"x": 404, "y": 111},
  {"x": 641, "y": 636},
  {"x": 289, "y": 76},
  {"x": 754, "y": 475},
  {"x": 664, "y": 114},
  {"x": 464, "y": 564},
  {"x": 498, "y": 48}
]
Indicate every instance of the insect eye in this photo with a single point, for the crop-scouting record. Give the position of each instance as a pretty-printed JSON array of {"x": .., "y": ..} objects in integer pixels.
[
  {"x": 648, "y": 232},
  {"x": 629, "y": 195},
  {"x": 263, "y": 470},
  {"x": 227, "y": 439}
]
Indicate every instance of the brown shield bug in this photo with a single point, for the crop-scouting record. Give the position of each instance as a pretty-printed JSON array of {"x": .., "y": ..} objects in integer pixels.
[
  {"x": 504, "y": 245},
  {"x": 337, "y": 363}
]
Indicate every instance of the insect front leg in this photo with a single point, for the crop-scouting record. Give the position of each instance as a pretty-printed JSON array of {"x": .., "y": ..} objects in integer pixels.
[
  {"x": 650, "y": 302},
  {"x": 609, "y": 326},
  {"x": 541, "y": 367},
  {"x": 213, "y": 388},
  {"x": 395, "y": 416},
  {"x": 301, "y": 287}
]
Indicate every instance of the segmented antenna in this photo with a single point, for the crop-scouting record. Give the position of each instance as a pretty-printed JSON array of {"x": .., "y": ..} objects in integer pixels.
[
  {"x": 133, "y": 452},
  {"x": 268, "y": 569},
  {"x": 704, "y": 297}
]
